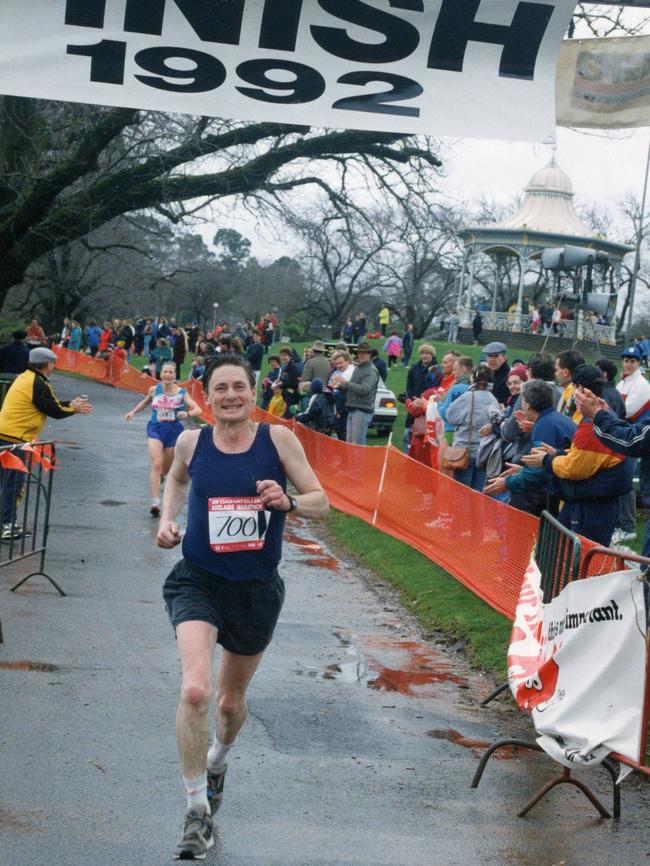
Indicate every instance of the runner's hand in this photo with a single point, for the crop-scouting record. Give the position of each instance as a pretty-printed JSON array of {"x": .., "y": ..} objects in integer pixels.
[
  {"x": 169, "y": 534},
  {"x": 272, "y": 495}
]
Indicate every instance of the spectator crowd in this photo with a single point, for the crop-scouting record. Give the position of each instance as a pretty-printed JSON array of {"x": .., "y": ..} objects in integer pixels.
[
  {"x": 537, "y": 434},
  {"x": 520, "y": 433}
]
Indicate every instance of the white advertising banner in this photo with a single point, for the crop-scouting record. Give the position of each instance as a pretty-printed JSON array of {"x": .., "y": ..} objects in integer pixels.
[
  {"x": 604, "y": 83},
  {"x": 578, "y": 665},
  {"x": 471, "y": 68}
]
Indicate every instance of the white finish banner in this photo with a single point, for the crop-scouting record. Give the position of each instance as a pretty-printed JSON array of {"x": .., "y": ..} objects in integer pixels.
[
  {"x": 578, "y": 664},
  {"x": 471, "y": 68}
]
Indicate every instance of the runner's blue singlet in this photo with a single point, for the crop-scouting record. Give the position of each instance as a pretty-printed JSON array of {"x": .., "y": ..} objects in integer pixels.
[{"x": 228, "y": 531}]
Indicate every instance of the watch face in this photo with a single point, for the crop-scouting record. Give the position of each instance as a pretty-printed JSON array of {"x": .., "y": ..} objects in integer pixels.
[{"x": 294, "y": 503}]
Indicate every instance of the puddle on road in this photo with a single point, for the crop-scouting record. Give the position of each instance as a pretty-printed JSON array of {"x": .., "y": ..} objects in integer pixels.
[
  {"x": 319, "y": 559},
  {"x": 389, "y": 665},
  {"x": 329, "y": 562},
  {"x": 458, "y": 739},
  {"x": 41, "y": 667},
  {"x": 476, "y": 746},
  {"x": 386, "y": 664}
]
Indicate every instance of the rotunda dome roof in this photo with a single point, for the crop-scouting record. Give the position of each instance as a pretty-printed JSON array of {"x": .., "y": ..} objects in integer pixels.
[
  {"x": 547, "y": 206},
  {"x": 551, "y": 178}
]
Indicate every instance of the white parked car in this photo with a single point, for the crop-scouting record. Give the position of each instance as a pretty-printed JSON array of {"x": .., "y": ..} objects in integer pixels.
[{"x": 385, "y": 410}]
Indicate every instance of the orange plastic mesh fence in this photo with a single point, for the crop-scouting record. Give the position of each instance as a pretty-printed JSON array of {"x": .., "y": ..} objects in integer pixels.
[
  {"x": 75, "y": 362},
  {"x": 483, "y": 543},
  {"x": 350, "y": 474}
]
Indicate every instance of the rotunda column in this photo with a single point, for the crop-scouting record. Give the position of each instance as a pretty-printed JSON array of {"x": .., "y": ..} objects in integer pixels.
[
  {"x": 466, "y": 319},
  {"x": 461, "y": 284},
  {"x": 520, "y": 294}
]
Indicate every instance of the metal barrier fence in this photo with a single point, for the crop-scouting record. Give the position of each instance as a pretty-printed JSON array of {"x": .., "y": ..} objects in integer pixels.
[
  {"x": 25, "y": 503},
  {"x": 558, "y": 553}
]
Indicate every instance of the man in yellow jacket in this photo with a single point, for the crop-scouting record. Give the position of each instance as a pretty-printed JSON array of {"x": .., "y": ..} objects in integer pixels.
[{"x": 29, "y": 403}]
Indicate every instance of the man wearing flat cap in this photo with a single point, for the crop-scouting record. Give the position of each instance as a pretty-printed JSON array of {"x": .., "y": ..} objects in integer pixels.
[
  {"x": 14, "y": 357},
  {"x": 496, "y": 361},
  {"x": 29, "y": 403}
]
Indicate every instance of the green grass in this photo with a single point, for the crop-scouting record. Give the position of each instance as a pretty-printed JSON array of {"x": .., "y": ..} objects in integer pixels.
[
  {"x": 637, "y": 545},
  {"x": 438, "y": 600}
]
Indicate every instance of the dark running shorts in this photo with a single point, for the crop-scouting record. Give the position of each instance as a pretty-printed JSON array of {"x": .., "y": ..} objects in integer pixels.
[
  {"x": 244, "y": 612},
  {"x": 166, "y": 432}
]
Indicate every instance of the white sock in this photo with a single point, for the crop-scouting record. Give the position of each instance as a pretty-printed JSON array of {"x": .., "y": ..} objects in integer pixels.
[
  {"x": 197, "y": 793},
  {"x": 218, "y": 754}
]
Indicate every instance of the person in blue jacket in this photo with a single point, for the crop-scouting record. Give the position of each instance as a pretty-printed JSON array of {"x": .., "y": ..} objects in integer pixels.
[
  {"x": 624, "y": 437},
  {"x": 550, "y": 427},
  {"x": 463, "y": 367},
  {"x": 93, "y": 335}
]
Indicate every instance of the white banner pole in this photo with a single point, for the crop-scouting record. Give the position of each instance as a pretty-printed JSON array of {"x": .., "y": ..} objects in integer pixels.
[{"x": 383, "y": 475}]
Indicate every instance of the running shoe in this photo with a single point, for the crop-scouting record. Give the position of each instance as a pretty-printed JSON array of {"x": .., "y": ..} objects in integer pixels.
[
  {"x": 155, "y": 509},
  {"x": 620, "y": 536},
  {"x": 14, "y": 531},
  {"x": 197, "y": 838},
  {"x": 215, "y": 787}
]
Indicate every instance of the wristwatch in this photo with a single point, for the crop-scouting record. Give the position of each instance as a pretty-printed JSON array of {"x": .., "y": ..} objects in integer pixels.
[{"x": 293, "y": 503}]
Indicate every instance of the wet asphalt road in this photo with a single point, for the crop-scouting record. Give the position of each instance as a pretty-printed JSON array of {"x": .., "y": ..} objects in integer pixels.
[{"x": 361, "y": 743}]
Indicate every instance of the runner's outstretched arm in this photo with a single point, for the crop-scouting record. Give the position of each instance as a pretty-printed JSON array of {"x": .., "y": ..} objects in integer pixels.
[
  {"x": 311, "y": 499},
  {"x": 141, "y": 405}
]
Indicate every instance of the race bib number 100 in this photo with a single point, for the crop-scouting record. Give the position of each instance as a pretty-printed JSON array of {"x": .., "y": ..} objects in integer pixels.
[{"x": 237, "y": 523}]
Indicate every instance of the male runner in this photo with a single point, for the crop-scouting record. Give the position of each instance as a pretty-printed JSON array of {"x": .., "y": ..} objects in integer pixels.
[{"x": 226, "y": 589}]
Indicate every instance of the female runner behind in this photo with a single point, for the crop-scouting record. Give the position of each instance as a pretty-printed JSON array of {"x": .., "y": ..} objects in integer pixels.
[{"x": 169, "y": 403}]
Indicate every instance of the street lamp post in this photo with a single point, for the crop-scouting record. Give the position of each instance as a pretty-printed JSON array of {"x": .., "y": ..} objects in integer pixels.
[
  {"x": 215, "y": 307},
  {"x": 637, "y": 254}
]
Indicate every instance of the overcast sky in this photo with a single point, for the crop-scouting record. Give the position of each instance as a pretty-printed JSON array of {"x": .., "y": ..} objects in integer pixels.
[{"x": 603, "y": 167}]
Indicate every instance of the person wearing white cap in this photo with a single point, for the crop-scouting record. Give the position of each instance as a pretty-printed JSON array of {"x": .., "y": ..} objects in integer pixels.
[
  {"x": 634, "y": 388},
  {"x": 29, "y": 403}
]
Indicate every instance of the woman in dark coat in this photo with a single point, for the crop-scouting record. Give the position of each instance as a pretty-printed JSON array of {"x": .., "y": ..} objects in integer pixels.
[
  {"x": 179, "y": 350},
  {"x": 477, "y": 327}
]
